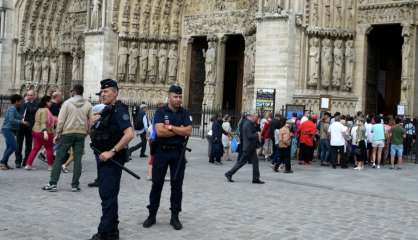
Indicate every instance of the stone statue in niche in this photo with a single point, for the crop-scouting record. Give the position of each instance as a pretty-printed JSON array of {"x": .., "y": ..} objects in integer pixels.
[
  {"x": 38, "y": 69},
  {"x": 28, "y": 68},
  {"x": 152, "y": 63},
  {"x": 45, "y": 70},
  {"x": 96, "y": 14},
  {"x": 349, "y": 65},
  {"x": 162, "y": 63},
  {"x": 315, "y": 12},
  {"x": 210, "y": 61},
  {"x": 133, "y": 61},
  {"x": 144, "y": 62},
  {"x": 219, "y": 5},
  {"x": 337, "y": 73},
  {"x": 122, "y": 61},
  {"x": 339, "y": 14},
  {"x": 314, "y": 55},
  {"x": 326, "y": 63},
  {"x": 172, "y": 63},
  {"x": 327, "y": 19},
  {"x": 54, "y": 69},
  {"x": 406, "y": 55},
  {"x": 272, "y": 6},
  {"x": 76, "y": 66}
]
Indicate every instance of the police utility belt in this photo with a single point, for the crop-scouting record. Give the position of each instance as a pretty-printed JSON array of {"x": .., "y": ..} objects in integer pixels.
[{"x": 168, "y": 147}]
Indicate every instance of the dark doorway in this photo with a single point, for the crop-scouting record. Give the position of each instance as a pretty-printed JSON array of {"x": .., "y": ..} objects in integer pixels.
[
  {"x": 384, "y": 66},
  {"x": 197, "y": 74},
  {"x": 233, "y": 77}
]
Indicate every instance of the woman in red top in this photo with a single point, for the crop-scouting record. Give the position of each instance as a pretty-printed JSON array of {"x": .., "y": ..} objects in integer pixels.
[{"x": 307, "y": 131}]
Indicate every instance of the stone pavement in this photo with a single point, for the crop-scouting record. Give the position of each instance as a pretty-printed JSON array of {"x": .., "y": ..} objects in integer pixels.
[{"x": 313, "y": 203}]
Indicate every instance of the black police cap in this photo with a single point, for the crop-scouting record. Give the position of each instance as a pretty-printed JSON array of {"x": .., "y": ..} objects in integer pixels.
[
  {"x": 175, "y": 89},
  {"x": 107, "y": 83}
]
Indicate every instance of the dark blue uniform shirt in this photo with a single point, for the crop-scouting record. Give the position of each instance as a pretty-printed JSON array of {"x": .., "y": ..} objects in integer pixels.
[
  {"x": 120, "y": 117},
  {"x": 180, "y": 118}
]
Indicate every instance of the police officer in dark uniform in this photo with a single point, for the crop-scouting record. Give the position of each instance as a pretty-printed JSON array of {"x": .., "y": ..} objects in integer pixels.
[
  {"x": 173, "y": 125},
  {"x": 110, "y": 135}
]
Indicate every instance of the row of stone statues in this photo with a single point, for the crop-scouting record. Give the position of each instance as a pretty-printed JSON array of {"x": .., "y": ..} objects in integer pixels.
[
  {"x": 41, "y": 68},
  {"x": 148, "y": 62},
  {"x": 331, "y": 64}
]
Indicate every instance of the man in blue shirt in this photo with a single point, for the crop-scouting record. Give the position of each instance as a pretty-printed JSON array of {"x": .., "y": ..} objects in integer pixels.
[{"x": 173, "y": 124}]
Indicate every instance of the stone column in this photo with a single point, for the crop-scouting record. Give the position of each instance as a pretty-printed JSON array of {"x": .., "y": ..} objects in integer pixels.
[
  {"x": 188, "y": 44},
  {"x": 2, "y": 22},
  {"x": 99, "y": 59},
  {"x": 407, "y": 57},
  {"x": 360, "y": 72},
  {"x": 220, "y": 69}
]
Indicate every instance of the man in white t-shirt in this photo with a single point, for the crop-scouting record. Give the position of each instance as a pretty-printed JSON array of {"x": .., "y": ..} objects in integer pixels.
[{"x": 337, "y": 143}]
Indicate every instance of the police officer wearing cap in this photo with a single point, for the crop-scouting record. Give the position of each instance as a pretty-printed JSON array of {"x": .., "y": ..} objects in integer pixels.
[
  {"x": 110, "y": 136},
  {"x": 173, "y": 125}
]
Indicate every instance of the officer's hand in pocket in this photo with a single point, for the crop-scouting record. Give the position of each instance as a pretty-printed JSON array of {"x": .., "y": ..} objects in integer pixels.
[{"x": 105, "y": 156}]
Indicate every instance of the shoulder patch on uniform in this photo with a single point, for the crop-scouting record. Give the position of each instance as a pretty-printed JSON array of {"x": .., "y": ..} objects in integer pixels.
[{"x": 125, "y": 117}]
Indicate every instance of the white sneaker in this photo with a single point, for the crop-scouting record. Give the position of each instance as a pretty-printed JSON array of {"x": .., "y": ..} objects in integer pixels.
[
  {"x": 27, "y": 167},
  {"x": 357, "y": 168},
  {"x": 378, "y": 166}
]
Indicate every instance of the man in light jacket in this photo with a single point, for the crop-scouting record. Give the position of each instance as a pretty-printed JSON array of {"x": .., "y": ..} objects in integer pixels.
[{"x": 72, "y": 128}]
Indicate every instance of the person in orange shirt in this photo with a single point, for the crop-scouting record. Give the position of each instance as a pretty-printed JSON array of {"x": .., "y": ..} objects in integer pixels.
[{"x": 307, "y": 134}]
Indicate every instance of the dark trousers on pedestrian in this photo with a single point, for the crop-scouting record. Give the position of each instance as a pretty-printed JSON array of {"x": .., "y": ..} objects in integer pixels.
[
  {"x": 24, "y": 134},
  {"x": 67, "y": 141},
  {"x": 163, "y": 160},
  {"x": 335, "y": 150},
  {"x": 408, "y": 144},
  {"x": 285, "y": 158},
  {"x": 247, "y": 155},
  {"x": 109, "y": 186},
  {"x": 142, "y": 145}
]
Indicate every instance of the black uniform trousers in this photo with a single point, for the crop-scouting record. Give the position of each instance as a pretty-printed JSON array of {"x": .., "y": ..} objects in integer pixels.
[
  {"x": 109, "y": 185},
  {"x": 163, "y": 160},
  {"x": 246, "y": 156},
  {"x": 23, "y": 134}
]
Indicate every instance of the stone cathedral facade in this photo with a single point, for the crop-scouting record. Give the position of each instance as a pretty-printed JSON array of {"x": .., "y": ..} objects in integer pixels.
[{"x": 360, "y": 54}]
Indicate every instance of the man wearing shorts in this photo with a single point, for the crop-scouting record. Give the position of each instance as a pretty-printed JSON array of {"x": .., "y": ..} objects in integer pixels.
[{"x": 397, "y": 134}]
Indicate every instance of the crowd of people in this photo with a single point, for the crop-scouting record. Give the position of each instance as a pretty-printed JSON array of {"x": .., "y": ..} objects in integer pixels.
[{"x": 338, "y": 140}]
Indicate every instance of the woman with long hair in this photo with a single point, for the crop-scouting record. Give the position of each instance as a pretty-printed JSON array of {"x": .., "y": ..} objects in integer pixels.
[{"x": 43, "y": 133}]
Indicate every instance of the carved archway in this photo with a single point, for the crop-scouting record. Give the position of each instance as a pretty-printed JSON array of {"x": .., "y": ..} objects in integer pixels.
[{"x": 50, "y": 31}]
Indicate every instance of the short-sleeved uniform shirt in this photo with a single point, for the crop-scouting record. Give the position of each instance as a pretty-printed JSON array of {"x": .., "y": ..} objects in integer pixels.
[
  {"x": 120, "y": 117},
  {"x": 179, "y": 118},
  {"x": 397, "y": 135}
]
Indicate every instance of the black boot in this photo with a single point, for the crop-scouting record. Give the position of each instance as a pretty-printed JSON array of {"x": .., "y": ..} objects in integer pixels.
[
  {"x": 151, "y": 220},
  {"x": 175, "y": 222},
  {"x": 95, "y": 183}
]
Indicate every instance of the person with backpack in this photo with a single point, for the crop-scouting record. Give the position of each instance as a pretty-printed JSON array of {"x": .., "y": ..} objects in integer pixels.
[{"x": 141, "y": 125}]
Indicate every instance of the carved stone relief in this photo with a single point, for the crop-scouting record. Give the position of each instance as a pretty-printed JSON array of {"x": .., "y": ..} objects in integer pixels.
[
  {"x": 133, "y": 62},
  {"x": 314, "y": 56},
  {"x": 326, "y": 63},
  {"x": 349, "y": 65},
  {"x": 337, "y": 73}
]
